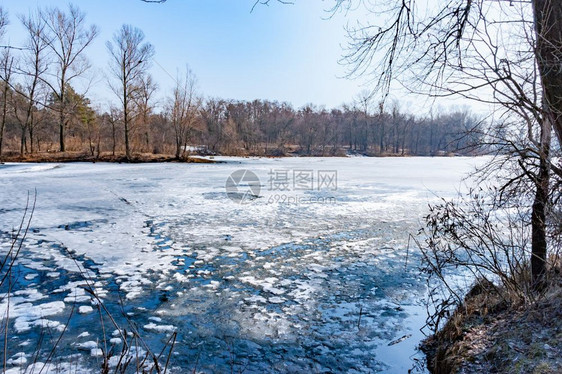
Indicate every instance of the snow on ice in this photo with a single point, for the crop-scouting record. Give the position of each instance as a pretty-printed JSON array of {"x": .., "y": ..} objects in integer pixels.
[{"x": 319, "y": 285}]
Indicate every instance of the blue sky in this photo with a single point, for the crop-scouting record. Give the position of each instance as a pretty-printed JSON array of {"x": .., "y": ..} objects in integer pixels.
[{"x": 278, "y": 52}]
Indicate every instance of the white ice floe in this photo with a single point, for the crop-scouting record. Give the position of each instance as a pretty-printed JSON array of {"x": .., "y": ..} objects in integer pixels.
[
  {"x": 85, "y": 309},
  {"x": 19, "y": 359},
  {"x": 28, "y": 315},
  {"x": 96, "y": 352},
  {"x": 87, "y": 346},
  {"x": 159, "y": 328}
]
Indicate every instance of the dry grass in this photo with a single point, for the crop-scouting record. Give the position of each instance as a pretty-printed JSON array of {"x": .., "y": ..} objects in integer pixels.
[{"x": 487, "y": 334}]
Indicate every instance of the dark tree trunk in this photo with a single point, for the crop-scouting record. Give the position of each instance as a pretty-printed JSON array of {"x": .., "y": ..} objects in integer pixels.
[
  {"x": 62, "y": 98},
  {"x": 127, "y": 148},
  {"x": 31, "y": 139},
  {"x": 548, "y": 28},
  {"x": 538, "y": 214},
  {"x": 61, "y": 135},
  {"x": 178, "y": 144}
]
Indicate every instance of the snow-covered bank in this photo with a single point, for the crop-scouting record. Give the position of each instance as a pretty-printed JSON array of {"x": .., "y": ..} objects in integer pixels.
[{"x": 323, "y": 281}]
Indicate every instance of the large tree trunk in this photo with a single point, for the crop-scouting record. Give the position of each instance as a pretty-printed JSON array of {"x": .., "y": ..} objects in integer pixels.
[
  {"x": 548, "y": 28},
  {"x": 538, "y": 214},
  {"x": 62, "y": 97},
  {"x": 538, "y": 238}
]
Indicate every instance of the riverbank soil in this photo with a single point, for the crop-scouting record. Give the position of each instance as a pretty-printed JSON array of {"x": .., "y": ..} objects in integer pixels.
[{"x": 489, "y": 335}]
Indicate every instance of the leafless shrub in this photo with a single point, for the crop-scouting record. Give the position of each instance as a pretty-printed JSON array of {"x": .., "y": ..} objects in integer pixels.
[{"x": 485, "y": 238}]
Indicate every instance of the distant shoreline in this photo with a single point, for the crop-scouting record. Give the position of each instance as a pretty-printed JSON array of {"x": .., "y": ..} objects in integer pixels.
[
  {"x": 67, "y": 157},
  {"x": 118, "y": 158}
]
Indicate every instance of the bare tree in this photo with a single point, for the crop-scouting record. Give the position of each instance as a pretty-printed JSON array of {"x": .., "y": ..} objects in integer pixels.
[
  {"x": 6, "y": 69},
  {"x": 427, "y": 41},
  {"x": 34, "y": 67},
  {"x": 18, "y": 105},
  {"x": 363, "y": 102},
  {"x": 183, "y": 110},
  {"x": 7, "y": 62},
  {"x": 144, "y": 108},
  {"x": 113, "y": 118},
  {"x": 129, "y": 62},
  {"x": 67, "y": 36},
  {"x": 489, "y": 51}
]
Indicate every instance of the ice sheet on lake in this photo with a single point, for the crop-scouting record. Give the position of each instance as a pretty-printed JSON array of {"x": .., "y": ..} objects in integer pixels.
[{"x": 285, "y": 286}]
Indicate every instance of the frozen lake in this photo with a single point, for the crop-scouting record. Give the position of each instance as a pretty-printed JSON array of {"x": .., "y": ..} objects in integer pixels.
[{"x": 314, "y": 275}]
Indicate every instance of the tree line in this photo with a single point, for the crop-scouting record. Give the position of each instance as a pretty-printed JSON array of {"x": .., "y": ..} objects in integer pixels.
[{"x": 42, "y": 111}]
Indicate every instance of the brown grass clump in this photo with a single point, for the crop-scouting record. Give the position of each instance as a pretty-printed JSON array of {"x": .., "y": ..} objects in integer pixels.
[{"x": 487, "y": 334}]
